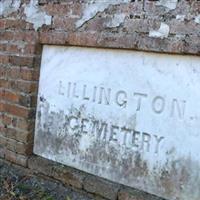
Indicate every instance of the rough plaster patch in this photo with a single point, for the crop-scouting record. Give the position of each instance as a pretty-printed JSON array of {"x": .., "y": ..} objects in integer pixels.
[
  {"x": 162, "y": 32},
  {"x": 35, "y": 15},
  {"x": 95, "y": 6},
  {"x": 197, "y": 19},
  {"x": 116, "y": 20},
  {"x": 180, "y": 18},
  {"x": 170, "y": 4},
  {"x": 9, "y": 6}
]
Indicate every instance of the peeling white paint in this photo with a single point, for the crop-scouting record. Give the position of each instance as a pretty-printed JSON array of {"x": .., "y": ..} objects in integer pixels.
[
  {"x": 162, "y": 32},
  {"x": 180, "y": 18},
  {"x": 95, "y": 6},
  {"x": 35, "y": 15},
  {"x": 32, "y": 11},
  {"x": 8, "y": 6},
  {"x": 116, "y": 20},
  {"x": 197, "y": 19},
  {"x": 170, "y": 4}
]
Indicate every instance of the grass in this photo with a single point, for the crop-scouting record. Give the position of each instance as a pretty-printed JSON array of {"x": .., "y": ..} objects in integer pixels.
[{"x": 22, "y": 191}]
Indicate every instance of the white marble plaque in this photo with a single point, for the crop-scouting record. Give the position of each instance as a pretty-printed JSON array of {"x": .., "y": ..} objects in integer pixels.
[{"x": 130, "y": 117}]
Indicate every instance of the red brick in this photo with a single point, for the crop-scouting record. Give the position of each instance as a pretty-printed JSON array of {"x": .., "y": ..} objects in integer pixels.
[
  {"x": 2, "y": 130},
  {"x": 20, "y": 85},
  {"x": 4, "y": 59},
  {"x": 2, "y": 152},
  {"x": 53, "y": 37},
  {"x": 2, "y": 24},
  {"x": 25, "y": 86},
  {"x": 17, "y": 24},
  {"x": 32, "y": 49},
  {"x": 1, "y": 118},
  {"x": 33, "y": 100},
  {"x": 17, "y": 134},
  {"x": 83, "y": 38},
  {"x": 21, "y": 61},
  {"x": 23, "y": 73},
  {"x": 26, "y": 100},
  {"x": 29, "y": 74},
  {"x": 3, "y": 141},
  {"x": 58, "y": 9},
  {"x": 6, "y": 120},
  {"x": 13, "y": 72},
  {"x": 18, "y": 147},
  {"x": 30, "y": 37},
  {"x": 10, "y": 96},
  {"x": 7, "y": 35},
  {"x": 22, "y": 124},
  {"x": 21, "y": 49},
  {"x": 3, "y": 72},
  {"x": 26, "y": 137},
  {"x": 16, "y": 158},
  {"x": 16, "y": 110},
  {"x": 12, "y": 48},
  {"x": 3, "y": 47},
  {"x": 64, "y": 23},
  {"x": 1, "y": 93},
  {"x": 1, "y": 106},
  {"x": 77, "y": 8},
  {"x": 4, "y": 83}
]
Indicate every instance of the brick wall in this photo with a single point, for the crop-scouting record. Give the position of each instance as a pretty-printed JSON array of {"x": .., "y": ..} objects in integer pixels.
[{"x": 25, "y": 25}]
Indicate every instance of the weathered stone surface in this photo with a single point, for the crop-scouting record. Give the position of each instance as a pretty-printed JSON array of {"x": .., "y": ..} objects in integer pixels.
[{"x": 127, "y": 116}]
